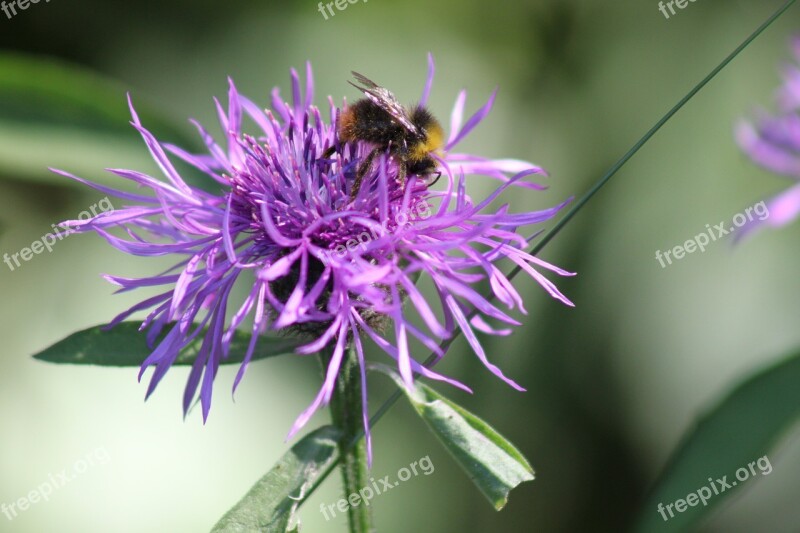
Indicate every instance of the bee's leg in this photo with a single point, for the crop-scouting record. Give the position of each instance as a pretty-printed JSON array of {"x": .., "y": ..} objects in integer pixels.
[
  {"x": 329, "y": 152},
  {"x": 363, "y": 168},
  {"x": 431, "y": 184},
  {"x": 402, "y": 172}
]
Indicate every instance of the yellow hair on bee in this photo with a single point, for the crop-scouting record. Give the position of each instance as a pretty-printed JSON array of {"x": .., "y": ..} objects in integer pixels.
[{"x": 434, "y": 142}]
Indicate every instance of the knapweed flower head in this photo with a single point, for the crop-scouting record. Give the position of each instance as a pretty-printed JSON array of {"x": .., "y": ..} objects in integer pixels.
[
  {"x": 315, "y": 262},
  {"x": 773, "y": 142}
]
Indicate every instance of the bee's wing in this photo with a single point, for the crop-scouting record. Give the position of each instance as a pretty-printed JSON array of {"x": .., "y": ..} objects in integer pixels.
[{"x": 384, "y": 99}]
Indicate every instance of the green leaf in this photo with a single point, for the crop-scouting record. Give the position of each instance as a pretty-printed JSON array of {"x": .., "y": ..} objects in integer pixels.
[
  {"x": 493, "y": 463},
  {"x": 739, "y": 430},
  {"x": 271, "y": 504},
  {"x": 125, "y": 345},
  {"x": 54, "y": 114}
]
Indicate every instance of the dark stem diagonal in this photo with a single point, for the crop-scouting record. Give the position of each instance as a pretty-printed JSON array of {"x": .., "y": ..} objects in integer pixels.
[
  {"x": 346, "y": 412},
  {"x": 444, "y": 345}
]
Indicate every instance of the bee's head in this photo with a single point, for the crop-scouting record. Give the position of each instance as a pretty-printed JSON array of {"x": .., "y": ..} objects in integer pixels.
[
  {"x": 422, "y": 167},
  {"x": 425, "y": 168}
]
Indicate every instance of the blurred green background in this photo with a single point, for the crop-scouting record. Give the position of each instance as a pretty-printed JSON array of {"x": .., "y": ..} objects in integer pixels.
[{"x": 612, "y": 384}]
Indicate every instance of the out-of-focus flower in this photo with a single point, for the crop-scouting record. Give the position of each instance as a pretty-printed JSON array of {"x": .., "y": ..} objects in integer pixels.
[
  {"x": 773, "y": 142},
  {"x": 314, "y": 262}
]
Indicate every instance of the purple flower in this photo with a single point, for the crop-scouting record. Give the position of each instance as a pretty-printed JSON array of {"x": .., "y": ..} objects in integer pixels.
[
  {"x": 314, "y": 262},
  {"x": 773, "y": 142}
]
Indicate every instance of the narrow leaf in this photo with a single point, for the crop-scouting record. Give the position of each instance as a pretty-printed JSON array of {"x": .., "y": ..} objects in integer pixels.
[
  {"x": 125, "y": 345},
  {"x": 493, "y": 463},
  {"x": 738, "y": 431},
  {"x": 271, "y": 504}
]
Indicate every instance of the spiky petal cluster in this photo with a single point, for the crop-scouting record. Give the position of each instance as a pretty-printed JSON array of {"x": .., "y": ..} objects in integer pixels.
[
  {"x": 773, "y": 142},
  {"x": 312, "y": 260}
]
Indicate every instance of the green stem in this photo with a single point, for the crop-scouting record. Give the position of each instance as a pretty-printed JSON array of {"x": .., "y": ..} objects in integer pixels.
[
  {"x": 346, "y": 415},
  {"x": 358, "y": 437},
  {"x": 445, "y": 344}
]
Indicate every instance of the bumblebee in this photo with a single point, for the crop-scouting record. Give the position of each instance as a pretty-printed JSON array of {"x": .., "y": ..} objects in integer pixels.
[{"x": 408, "y": 134}]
